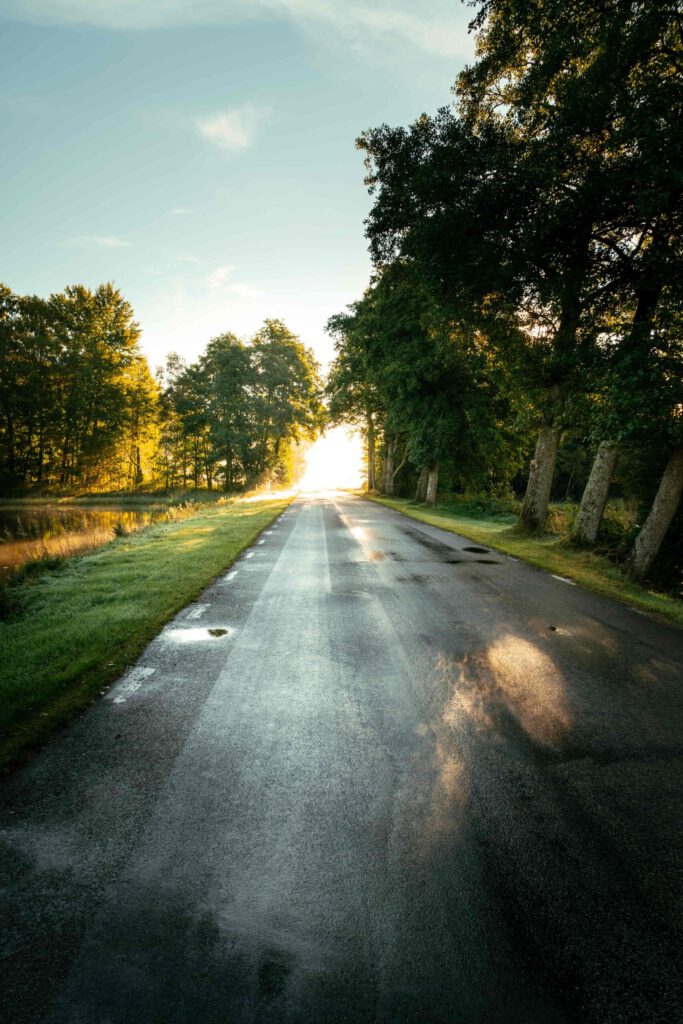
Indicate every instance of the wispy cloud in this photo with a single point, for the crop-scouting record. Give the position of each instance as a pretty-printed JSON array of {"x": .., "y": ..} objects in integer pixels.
[
  {"x": 219, "y": 277},
  {"x": 181, "y": 211},
  {"x": 99, "y": 242},
  {"x": 436, "y": 36},
  {"x": 231, "y": 129},
  {"x": 438, "y": 27},
  {"x": 186, "y": 257}
]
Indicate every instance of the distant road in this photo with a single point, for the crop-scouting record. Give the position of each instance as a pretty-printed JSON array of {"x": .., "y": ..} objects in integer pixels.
[{"x": 412, "y": 782}]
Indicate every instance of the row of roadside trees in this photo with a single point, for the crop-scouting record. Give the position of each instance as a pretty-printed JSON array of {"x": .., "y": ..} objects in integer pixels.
[
  {"x": 81, "y": 410},
  {"x": 528, "y": 251}
]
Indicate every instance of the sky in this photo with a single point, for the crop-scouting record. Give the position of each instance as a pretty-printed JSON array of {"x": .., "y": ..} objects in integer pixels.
[{"x": 201, "y": 153}]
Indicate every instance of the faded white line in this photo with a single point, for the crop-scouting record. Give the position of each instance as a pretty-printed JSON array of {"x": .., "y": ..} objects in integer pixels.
[
  {"x": 563, "y": 579},
  {"x": 131, "y": 683},
  {"x": 249, "y": 554},
  {"x": 262, "y": 542},
  {"x": 197, "y": 611}
]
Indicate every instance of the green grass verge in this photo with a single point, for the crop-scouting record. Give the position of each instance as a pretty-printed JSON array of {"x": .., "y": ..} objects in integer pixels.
[
  {"x": 550, "y": 552},
  {"x": 83, "y": 624}
]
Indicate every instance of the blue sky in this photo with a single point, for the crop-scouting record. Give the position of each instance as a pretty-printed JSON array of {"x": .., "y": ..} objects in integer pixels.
[{"x": 200, "y": 153}]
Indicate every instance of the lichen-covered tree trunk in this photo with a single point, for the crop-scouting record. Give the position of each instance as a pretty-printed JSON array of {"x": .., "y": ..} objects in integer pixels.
[
  {"x": 535, "y": 507},
  {"x": 595, "y": 495},
  {"x": 432, "y": 484},
  {"x": 421, "y": 489},
  {"x": 649, "y": 540},
  {"x": 370, "y": 440},
  {"x": 388, "y": 468}
]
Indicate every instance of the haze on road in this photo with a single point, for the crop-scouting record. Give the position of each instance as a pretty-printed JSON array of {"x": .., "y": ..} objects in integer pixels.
[{"x": 373, "y": 774}]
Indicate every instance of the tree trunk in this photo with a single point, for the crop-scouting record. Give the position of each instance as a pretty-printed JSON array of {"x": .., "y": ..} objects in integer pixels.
[
  {"x": 421, "y": 490},
  {"x": 541, "y": 471},
  {"x": 371, "y": 451},
  {"x": 432, "y": 484},
  {"x": 138, "y": 467},
  {"x": 227, "y": 480},
  {"x": 649, "y": 540},
  {"x": 388, "y": 468},
  {"x": 596, "y": 493}
]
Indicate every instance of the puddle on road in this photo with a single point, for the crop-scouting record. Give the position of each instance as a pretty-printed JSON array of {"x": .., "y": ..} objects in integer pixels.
[{"x": 183, "y": 635}]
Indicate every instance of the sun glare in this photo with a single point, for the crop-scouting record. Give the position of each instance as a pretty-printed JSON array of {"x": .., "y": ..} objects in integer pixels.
[{"x": 334, "y": 460}]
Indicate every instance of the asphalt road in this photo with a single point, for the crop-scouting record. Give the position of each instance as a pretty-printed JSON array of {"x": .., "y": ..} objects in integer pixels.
[{"x": 412, "y": 782}]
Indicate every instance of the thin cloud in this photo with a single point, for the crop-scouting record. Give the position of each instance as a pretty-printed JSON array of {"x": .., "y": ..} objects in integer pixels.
[
  {"x": 186, "y": 257},
  {"x": 433, "y": 36},
  {"x": 181, "y": 211},
  {"x": 440, "y": 28},
  {"x": 99, "y": 242},
  {"x": 231, "y": 129},
  {"x": 218, "y": 278}
]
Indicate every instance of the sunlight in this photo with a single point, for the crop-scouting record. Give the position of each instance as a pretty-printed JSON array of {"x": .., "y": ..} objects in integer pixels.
[{"x": 334, "y": 460}]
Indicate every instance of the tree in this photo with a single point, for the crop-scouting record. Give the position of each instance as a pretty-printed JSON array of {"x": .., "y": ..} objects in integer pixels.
[
  {"x": 526, "y": 198},
  {"x": 352, "y": 397},
  {"x": 229, "y": 377},
  {"x": 287, "y": 393}
]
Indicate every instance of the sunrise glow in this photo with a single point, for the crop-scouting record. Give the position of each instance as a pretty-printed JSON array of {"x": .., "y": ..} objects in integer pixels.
[{"x": 334, "y": 460}]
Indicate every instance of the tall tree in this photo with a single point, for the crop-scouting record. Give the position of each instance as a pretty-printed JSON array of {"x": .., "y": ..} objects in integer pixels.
[{"x": 522, "y": 197}]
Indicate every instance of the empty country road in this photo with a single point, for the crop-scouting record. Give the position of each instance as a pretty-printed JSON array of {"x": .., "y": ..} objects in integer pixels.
[{"x": 373, "y": 774}]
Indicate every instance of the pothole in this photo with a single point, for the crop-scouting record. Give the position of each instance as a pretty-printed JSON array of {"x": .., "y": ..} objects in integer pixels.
[
  {"x": 477, "y": 551},
  {"x": 487, "y": 561},
  {"x": 217, "y": 632}
]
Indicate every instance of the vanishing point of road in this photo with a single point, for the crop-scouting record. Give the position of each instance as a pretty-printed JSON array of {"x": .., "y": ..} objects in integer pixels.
[{"x": 372, "y": 775}]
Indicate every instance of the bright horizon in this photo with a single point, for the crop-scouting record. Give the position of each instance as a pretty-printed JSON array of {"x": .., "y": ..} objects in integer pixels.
[{"x": 201, "y": 155}]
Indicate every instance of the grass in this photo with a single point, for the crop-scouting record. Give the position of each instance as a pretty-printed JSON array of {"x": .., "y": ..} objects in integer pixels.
[
  {"x": 550, "y": 552},
  {"x": 81, "y": 625}
]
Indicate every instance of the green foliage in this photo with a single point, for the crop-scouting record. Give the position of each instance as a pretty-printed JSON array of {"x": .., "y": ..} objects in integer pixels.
[
  {"x": 231, "y": 418},
  {"x": 77, "y": 401},
  {"x": 428, "y": 382},
  {"x": 79, "y": 408},
  {"x": 541, "y": 216}
]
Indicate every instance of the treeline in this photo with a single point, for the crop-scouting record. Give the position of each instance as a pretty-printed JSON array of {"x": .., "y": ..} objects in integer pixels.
[
  {"x": 80, "y": 409},
  {"x": 528, "y": 285}
]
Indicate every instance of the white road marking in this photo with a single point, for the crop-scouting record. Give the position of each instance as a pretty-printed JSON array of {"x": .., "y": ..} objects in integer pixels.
[
  {"x": 131, "y": 683},
  {"x": 262, "y": 542},
  {"x": 197, "y": 611},
  {"x": 563, "y": 579},
  {"x": 231, "y": 575},
  {"x": 249, "y": 554}
]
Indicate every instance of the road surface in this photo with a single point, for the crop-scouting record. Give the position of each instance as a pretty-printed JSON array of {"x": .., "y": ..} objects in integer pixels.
[{"x": 403, "y": 780}]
